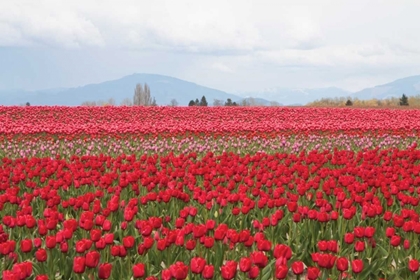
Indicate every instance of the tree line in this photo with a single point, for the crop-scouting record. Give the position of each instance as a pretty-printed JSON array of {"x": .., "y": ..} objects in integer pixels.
[
  {"x": 412, "y": 101},
  {"x": 142, "y": 97}
]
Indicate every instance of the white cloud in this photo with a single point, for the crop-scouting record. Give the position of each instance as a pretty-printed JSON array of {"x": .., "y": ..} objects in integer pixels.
[
  {"x": 226, "y": 27},
  {"x": 222, "y": 67},
  {"x": 269, "y": 42},
  {"x": 41, "y": 23}
]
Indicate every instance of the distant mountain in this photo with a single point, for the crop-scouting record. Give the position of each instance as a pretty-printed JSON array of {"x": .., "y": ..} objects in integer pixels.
[
  {"x": 409, "y": 86},
  {"x": 163, "y": 88},
  {"x": 298, "y": 96}
]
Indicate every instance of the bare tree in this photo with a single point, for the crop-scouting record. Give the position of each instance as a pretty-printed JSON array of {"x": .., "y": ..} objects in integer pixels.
[
  {"x": 173, "y": 103},
  {"x": 217, "y": 102},
  {"x": 89, "y": 103},
  {"x": 142, "y": 96},
  {"x": 274, "y": 104},
  {"x": 111, "y": 102},
  {"x": 244, "y": 102},
  {"x": 126, "y": 102},
  {"x": 252, "y": 101}
]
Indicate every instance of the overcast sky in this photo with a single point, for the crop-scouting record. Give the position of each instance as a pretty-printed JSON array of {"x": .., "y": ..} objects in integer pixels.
[{"x": 232, "y": 45}]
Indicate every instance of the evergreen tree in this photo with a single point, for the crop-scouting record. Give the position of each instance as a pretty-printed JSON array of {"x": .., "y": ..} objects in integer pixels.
[
  {"x": 153, "y": 102},
  {"x": 197, "y": 102},
  {"x": 203, "y": 101},
  {"x": 404, "y": 100},
  {"x": 349, "y": 103},
  {"x": 229, "y": 102},
  {"x": 192, "y": 103}
]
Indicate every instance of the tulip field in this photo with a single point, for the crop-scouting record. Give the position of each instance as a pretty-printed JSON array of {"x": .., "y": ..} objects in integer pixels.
[{"x": 209, "y": 193}]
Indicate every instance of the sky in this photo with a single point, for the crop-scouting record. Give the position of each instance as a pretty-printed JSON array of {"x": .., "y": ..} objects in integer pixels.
[{"x": 235, "y": 46}]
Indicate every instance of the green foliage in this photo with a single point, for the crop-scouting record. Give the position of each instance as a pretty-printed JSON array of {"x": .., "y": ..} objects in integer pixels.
[
  {"x": 203, "y": 101},
  {"x": 404, "y": 100}
]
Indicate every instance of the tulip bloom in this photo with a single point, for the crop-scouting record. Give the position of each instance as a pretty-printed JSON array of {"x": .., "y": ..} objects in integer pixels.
[
  {"x": 92, "y": 259},
  {"x": 281, "y": 271},
  {"x": 79, "y": 264},
  {"x": 41, "y": 255},
  {"x": 253, "y": 272},
  {"x": 313, "y": 273},
  {"x": 342, "y": 264},
  {"x": 179, "y": 270},
  {"x": 208, "y": 272},
  {"x": 228, "y": 270},
  {"x": 413, "y": 265},
  {"x": 26, "y": 245},
  {"x": 104, "y": 271},
  {"x": 357, "y": 266},
  {"x": 297, "y": 267},
  {"x": 139, "y": 270},
  {"x": 197, "y": 265},
  {"x": 349, "y": 238},
  {"x": 395, "y": 240},
  {"x": 359, "y": 246}
]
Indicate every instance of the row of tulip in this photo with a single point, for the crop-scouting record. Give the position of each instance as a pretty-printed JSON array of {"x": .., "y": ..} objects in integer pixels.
[
  {"x": 316, "y": 214},
  {"x": 221, "y": 120},
  {"x": 51, "y": 146}
]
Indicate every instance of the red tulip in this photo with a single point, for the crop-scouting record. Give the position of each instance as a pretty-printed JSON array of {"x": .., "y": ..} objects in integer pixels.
[
  {"x": 64, "y": 247},
  {"x": 197, "y": 265},
  {"x": 282, "y": 253},
  {"x": 50, "y": 241},
  {"x": 357, "y": 266},
  {"x": 104, "y": 270},
  {"x": 333, "y": 246},
  {"x": 259, "y": 259},
  {"x": 297, "y": 267},
  {"x": 95, "y": 234},
  {"x": 359, "y": 246},
  {"x": 26, "y": 245},
  {"x": 349, "y": 238},
  {"x": 390, "y": 232},
  {"x": 395, "y": 240},
  {"x": 342, "y": 264},
  {"x": 179, "y": 270},
  {"x": 190, "y": 245},
  {"x": 79, "y": 264},
  {"x": 208, "y": 272},
  {"x": 128, "y": 241},
  {"x": 245, "y": 264},
  {"x": 139, "y": 270},
  {"x": 41, "y": 255},
  {"x": 406, "y": 244},
  {"x": 369, "y": 232},
  {"x": 359, "y": 232},
  {"x": 253, "y": 272},
  {"x": 322, "y": 245},
  {"x": 313, "y": 273},
  {"x": 413, "y": 265},
  {"x": 281, "y": 271},
  {"x": 166, "y": 274},
  {"x": 228, "y": 270},
  {"x": 92, "y": 259}
]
